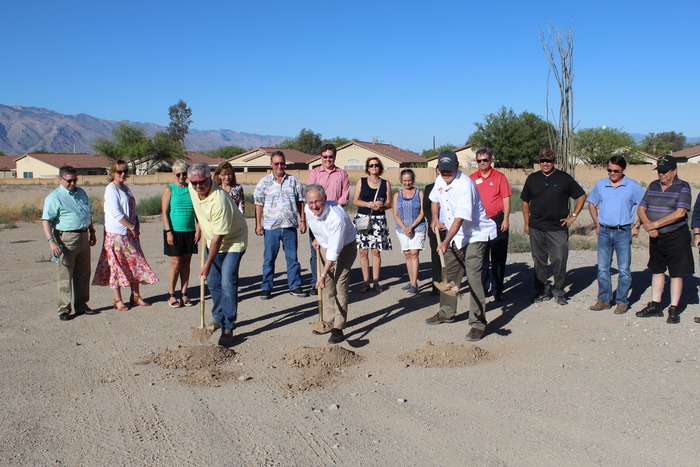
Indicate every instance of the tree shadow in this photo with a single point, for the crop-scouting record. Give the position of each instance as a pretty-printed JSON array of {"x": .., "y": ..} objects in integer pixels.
[{"x": 517, "y": 295}]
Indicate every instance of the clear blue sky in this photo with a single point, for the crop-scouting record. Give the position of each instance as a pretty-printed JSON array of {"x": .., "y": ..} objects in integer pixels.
[{"x": 401, "y": 71}]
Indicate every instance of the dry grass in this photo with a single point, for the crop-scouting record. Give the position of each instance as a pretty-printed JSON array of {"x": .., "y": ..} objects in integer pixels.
[{"x": 30, "y": 209}]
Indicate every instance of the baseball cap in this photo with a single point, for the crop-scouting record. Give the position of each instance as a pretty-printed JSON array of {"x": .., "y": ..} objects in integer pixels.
[
  {"x": 447, "y": 160},
  {"x": 666, "y": 163}
]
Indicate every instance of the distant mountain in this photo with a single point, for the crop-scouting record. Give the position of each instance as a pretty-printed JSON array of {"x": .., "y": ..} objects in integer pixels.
[{"x": 27, "y": 129}]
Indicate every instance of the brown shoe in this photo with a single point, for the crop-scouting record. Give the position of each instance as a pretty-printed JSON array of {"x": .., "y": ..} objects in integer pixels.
[
  {"x": 437, "y": 318},
  {"x": 475, "y": 334},
  {"x": 621, "y": 309},
  {"x": 600, "y": 305}
]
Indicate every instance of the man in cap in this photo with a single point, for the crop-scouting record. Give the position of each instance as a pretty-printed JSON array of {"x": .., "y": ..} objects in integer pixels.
[
  {"x": 456, "y": 199},
  {"x": 547, "y": 220},
  {"x": 613, "y": 205},
  {"x": 663, "y": 212}
]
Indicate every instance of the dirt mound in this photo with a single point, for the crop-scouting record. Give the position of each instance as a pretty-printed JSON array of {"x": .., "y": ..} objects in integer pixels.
[
  {"x": 321, "y": 365},
  {"x": 448, "y": 355},
  {"x": 202, "y": 363}
]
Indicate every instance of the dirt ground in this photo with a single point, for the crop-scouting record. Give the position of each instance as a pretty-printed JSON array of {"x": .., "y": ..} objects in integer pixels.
[{"x": 548, "y": 385}]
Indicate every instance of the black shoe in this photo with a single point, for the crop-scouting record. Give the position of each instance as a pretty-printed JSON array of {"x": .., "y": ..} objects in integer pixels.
[
  {"x": 337, "y": 336},
  {"x": 63, "y": 316},
  {"x": 673, "y": 316},
  {"x": 437, "y": 318},
  {"x": 313, "y": 291},
  {"x": 265, "y": 294},
  {"x": 226, "y": 339},
  {"x": 298, "y": 292},
  {"x": 87, "y": 311},
  {"x": 652, "y": 309},
  {"x": 561, "y": 300},
  {"x": 541, "y": 298},
  {"x": 498, "y": 297}
]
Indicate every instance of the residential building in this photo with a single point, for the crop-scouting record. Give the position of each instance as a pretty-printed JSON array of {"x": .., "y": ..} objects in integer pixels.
[{"x": 47, "y": 165}]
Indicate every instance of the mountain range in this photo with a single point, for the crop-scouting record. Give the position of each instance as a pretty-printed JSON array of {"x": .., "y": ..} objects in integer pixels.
[{"x": 28, "y": 129}]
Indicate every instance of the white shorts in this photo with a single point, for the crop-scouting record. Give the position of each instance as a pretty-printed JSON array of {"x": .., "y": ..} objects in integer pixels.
[{"x": 414, "y": 243}]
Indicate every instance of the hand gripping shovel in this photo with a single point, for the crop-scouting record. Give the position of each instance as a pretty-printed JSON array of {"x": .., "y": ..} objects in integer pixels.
[
  {"x": 202, "y": 333},
  {"x": 446, "y": 287}
]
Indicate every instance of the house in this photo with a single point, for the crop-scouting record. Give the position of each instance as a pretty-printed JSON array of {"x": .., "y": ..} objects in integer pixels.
[
  {"x": 142, "y": 168},
  {"x": 258, "y": 160},
  {"x": 690, "y": 155},
  {"x": 352, "y": 156},
  {"x": 47, "y": 165},
  {"x": 8, "y": 167},
  {"x": 465, "y": 155}
]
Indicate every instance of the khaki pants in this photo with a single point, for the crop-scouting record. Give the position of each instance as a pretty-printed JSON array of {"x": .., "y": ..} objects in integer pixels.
[
  {"x": 456, "y": 259},
  {"x": 73, "y": 271},
  {"x": 335, "y": 293}
]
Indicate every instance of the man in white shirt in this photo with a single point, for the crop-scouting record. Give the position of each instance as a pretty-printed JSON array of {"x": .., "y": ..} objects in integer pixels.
[
  {"x": 335, "y": 237},
  {"x": 456, "y": 199}
]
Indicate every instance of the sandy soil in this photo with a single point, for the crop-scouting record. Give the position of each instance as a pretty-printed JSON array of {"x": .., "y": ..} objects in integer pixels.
[{"x": 548, "y": 385}]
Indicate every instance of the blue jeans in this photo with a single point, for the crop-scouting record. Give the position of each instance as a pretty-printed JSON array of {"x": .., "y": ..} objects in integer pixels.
[
  {"x": 619, "y": 241},
  {"x": 272, "y": 238},
  {"x": 223, "y": 285}
]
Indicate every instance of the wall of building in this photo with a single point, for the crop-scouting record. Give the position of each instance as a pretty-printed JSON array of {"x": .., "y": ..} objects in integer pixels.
[
  {"x": 37, "y": 168},
  {"x": 354, "y": 157}
]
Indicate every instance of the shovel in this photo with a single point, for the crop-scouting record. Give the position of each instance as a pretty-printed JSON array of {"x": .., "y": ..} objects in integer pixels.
[
  {"x": 446, "y": 287},
  {"x": 202, "y": 333},
  {"x": 319, "y": 327}
]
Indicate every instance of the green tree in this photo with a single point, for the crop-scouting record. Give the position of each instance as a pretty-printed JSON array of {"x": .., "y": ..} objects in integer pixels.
[
  {"x": 428, "y": 153},
  {"x": 515, "y": 140},
  {"x": 179, "y": 121},
  {"x": 339, "y": 141},
  {"x": 596, "y": 145},
  {"x": 306, "y": 141},
  {"x": 662, "y": 144},
  {"x": 225, "y": 152}
]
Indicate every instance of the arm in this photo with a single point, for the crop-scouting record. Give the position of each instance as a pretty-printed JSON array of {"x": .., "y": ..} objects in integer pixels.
[
  {"x": 53, "y": 244},
  {"x": 593, "y": 211},
  {"x": 421, "y": 214},
  {"x": 216, "y": 242},
  {"x": 258, "y": 220},
  {"x": 505, "y": 225},
  {"x": 345, "y": 191},
  {"x": 642, "y": 213},
  {"x": 356, "y": 197},
  {"x": 454, "y": 228},
  {"x": 165, "y": 208},
  {"x": 302, "y": 217},
  {"x": 577, "y": 210},
  {"x": 526, "y": 217},
  {"x": 387, "y": 203},
  {"x": 668, "y": 219},
  {"x": 435, "y": 211},
  {"x": 396, "y": 214}
]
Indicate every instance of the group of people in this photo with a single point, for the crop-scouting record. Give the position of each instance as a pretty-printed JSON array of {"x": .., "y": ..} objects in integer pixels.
[{"x": 466, "y": 218}]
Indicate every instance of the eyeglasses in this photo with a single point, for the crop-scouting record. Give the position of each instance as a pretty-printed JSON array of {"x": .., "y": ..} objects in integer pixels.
[
  {"x": 181, "y": 174},
  {"x": 226, "y": 175},
  {"x": 120, "y": 172},
  {"x": 614, "y": 171},
  {"x": 279, "y": 163},
  {"x": 485, "y": 160},
  {"x": 546, "y": 161},
  {"x": 372, "y": 165},
  {"x": 327, "y": 157},
  {"x": 70, "y": 180},
  {"x": 200, "y": 182}
]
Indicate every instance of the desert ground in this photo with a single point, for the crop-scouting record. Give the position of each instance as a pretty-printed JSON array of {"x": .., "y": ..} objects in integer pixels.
[{"x": 548, "y": 385}]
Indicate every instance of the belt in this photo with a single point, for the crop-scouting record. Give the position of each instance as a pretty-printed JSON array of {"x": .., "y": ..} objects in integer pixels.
[
  {"x": 73, "y": 231},
  {"x": 615, "y": 227}
]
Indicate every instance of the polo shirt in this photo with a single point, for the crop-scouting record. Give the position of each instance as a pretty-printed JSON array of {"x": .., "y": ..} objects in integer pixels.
[
  {"x": 492, "y": 189},
  {"x": 336, "y": 183},
  {"x": 661, "y": 203},
  {"x": 548, "y": 197},
  {"x": 218, "y": 215},
  {"x": 68, "y": 210},
  {"x": 279, "y": 201},
  {"x": 460, "y": 200},
  {"x": 695, "y": 222},
  {"x": 616, "y": 205},
  {"x": 333, "y": 228}
]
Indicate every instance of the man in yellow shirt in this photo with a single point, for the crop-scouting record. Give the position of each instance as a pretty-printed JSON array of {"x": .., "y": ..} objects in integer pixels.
[{"x": 225, "y": 232}]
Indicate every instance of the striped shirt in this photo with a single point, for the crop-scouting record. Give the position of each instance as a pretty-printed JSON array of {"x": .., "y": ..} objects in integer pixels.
[
  {"x": 661, "y": 203},
  {"x": 279, "y": 201}
]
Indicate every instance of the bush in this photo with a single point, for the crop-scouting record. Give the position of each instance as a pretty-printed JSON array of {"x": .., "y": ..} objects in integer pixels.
[
  {"x": 149, "y": 206},
  {"x": 518, "y": 242},
  {"x": 516, "y": 204}
]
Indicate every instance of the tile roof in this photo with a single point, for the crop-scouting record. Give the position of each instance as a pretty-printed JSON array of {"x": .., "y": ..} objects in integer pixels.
[
  {"x": 687, "y": 152},
  {"x": 8, "y": 163},
  {"x": 78, "y": 161},
  {"x": 387, "y": 150},
  {"x": 192, "y": 157},
  {"x": 292, "y": 156}
]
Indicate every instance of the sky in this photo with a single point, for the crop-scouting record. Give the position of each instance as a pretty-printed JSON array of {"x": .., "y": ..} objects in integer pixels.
[{"x": 400, "y": 72}]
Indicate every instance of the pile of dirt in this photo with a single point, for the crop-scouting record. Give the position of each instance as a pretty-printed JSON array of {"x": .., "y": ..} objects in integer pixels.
[
  {"x": 321, "y": 365},
  {"x": 202, "y": 363},
  {"x": 448, "y": 355}
]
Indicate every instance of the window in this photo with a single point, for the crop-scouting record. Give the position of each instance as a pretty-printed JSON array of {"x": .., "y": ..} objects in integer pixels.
[{"x": 27, "y": 174}]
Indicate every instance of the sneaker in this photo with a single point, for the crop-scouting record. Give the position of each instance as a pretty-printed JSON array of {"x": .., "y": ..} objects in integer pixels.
[
  {"x": 437, "y": 318},
  {"x": 621, "y": 308},
  {"x": 600, "y": 305},
  {"x": 475, "y": 334},
  {"x": 407, "y": 286},
  {"x": 226, "y": 339},
  {"x": 542, "y": 298},
  {"x": 265, "y": 294},
  {"x": 673, "y": 316},
  {"x": 313, "y": 291},
  {"x": 413, "y": 290},
  {"x": 337, "y": 336},
  {"x": 652, "y": 309},
  {"x": 561, "y": 300},
  {"x": 298, "y": 292}
]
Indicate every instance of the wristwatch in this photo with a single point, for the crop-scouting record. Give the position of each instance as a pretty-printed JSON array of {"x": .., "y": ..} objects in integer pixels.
[{"x": 323, "y": 275}]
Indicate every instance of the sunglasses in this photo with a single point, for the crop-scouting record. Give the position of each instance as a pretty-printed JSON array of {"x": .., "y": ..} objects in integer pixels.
[
  {"x": 120, "y": 172},
  {"x": 201, "y": 182},
  {"x": 70, "y": 180},
  {"x": 483, "y": 160},
  {"x": 327, "y": 157},
  {"x": 373, "y": 165},
  {"x": 181, "y": 174},
  {"x": 614, "y": 171},
  {"x": 546, "y": 161},
  {"x": 279, "y": 163}
]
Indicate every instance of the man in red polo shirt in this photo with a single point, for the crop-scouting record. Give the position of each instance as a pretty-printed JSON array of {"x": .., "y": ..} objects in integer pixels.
[{"x": 495, "y": 195}]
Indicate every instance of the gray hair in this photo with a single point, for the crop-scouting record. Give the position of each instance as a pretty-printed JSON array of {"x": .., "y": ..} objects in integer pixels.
[
  {"x": 180, "y": 166},
  {"x": 199, "y": 168},
  {"x": 66, "y": 170},
  {"x": 316, "y": 187}
]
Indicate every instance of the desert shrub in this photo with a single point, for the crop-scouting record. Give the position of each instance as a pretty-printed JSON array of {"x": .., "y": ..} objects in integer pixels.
[
  {"x": 516, "y": 204},
  {"x": 149, "y": 206},
  {"x": 518, "y": 242}
]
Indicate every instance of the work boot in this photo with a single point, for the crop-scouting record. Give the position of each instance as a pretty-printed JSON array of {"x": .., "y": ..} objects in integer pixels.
[
  {"x": 652, "y": 309},
  {"x": 600, "y": 305},
  {"x": 226, "y": 339},
  {"x": 673, "y": 315},
  {"x": 621, "y": 308}
]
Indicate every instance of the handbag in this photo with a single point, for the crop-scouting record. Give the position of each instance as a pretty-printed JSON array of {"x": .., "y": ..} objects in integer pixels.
[{"x": 363, "y": 223}]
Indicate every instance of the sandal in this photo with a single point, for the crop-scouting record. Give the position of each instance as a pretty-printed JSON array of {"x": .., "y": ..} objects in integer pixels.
[
  {"x": 364, "y": 288},
  {"x": 121, "y": 307},
  {"x": 186, "y": 301},
  {"x": 173, "y": 304},
  {"x": 136, "y": 300},
  {"x": 378, "y": 288}
]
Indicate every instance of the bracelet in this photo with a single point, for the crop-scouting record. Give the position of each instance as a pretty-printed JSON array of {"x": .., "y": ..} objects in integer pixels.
[
  {"x": 51, "y": 240},
  {"x": 92, "y": 230},
  {"x": 323, "y": 275},
  {"x": 168, "y": 231},
  {"x": 636, "y": 226}
]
